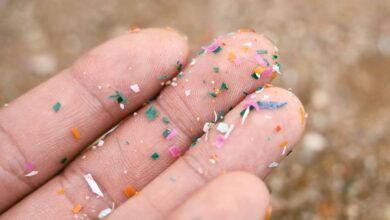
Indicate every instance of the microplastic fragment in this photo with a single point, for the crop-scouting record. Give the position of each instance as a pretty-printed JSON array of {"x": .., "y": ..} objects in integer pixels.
[
  {"x": 260, "y": 60},
  {"x": 61, "y": 190},
  {"x": 32, "y": 173},
  {"x": 214, "y": 47},
  {"x": 76, "y": 133},
  {"x": 283, "y": 143},
  {"x": 135, "y": 88},
  {"x": 171, "y": 135},
  {"x": 229, "y": 131},
  {"x": 175, "y": 151},
  {"x": 155, "y": 156},
  {"x": 104, "y": 213},
  {"x": 63, "y": 161},
  {"x": 207, "y": 126},
  {"x": 256, "y": 76},
  {"x": 129, "y": 191},
  {"x": 267, "y": 73},
  {"x": 166, "y": 133},
  {"x": 165, "y": 120},
  {"x": 273, "y": 165},
  {"x": 93, "y": 185},
  {"x": 30, "y": 166},
  {"x": 245, "y": 115},
  {"x": 100, "y": 143},
  {"x": 275, "y": 68},
  {"x": 222, "y": 127},
  {"x": 119, "y": 97},
  {"x": 261, "y": 51},
  {"x": 302, "y": 114},
  {"x": 216, "y": 69},
  {"x": 271, "y": 104},
  {"x": 57, "y": 106},
  {"x": 77, "y": 208},
  {"x": 179, "y": 66},
  {"x": 219, "y": 141},
  {"x": 151, "y": 113}
]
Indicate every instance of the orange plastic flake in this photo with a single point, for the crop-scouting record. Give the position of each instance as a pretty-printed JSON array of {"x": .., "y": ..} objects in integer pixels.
[
  {"x": 268, "y": 213},
  {"x": 283, "y": 144},
  {"x": 267, "y": 85},
  {"x": 259, "y": 69},
  {"x": 302, "y": 113},
  {"x": 241, "y": 30},
  {"x": 278, "y": 128},
  {"x": 231, "y": 56},
  {"x": 274, "y": 75},
  {"x": 245, "y": 49},
  {"x": 76, "y": 133},
  {"x": 77, "y": 208},
  {"x": 129, "y": 191},
  {"x": 61, "y": 190},
  {"x": 135, "y": 29}
]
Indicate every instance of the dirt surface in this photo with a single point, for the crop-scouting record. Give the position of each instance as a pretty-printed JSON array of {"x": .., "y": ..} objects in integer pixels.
[{"x": 335, "y": 57}]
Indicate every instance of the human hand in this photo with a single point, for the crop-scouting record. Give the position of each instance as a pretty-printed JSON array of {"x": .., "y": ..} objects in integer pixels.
[{"x": 161, "y": 161}]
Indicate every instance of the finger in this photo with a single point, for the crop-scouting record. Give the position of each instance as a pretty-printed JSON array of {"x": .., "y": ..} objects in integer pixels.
[
  {"x": 36, "y": 134},
  {"x": 236, "y": 195},
  {"x": 126, "y": 154},
  {"x": 256, "y": 146}
]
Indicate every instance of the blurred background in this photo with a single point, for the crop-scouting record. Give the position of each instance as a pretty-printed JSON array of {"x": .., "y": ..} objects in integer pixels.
[{"x": 335, "y": 57}]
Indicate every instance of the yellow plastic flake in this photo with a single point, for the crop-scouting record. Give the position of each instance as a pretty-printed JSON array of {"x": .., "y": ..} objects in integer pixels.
[
  {"x": 76, "y": 133},
  {"x": 245, "y": 49},
  {"x": 302, "y": 113},
  {"x": 283, "y": 144},
  {"x": 259, "y": 69},
  {"x": 77, "y": 208},
  {"x": 231, "y": 56},
  {"x": 61, "y": 190},
  {"x": 129, "y": 191}
]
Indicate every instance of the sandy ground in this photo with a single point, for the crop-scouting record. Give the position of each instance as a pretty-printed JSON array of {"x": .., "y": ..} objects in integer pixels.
[{"x": 335, "y": 56}]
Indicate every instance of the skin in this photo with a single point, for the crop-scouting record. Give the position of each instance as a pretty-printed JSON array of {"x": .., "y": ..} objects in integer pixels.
[{"x": 164, "y": 184}]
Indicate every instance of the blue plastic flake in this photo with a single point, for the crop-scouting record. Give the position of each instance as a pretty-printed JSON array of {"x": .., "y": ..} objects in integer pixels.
[{"x": 271, "y": 105}]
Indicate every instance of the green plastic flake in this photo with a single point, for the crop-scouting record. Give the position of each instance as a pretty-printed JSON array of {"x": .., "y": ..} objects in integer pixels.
[
  {"x": 56, "y": 107},
  {"x": 262, "y": 51},
  {"x": 179, "y": 66},
  {"x": 155, "y": 156},
  {"x": 201, "y": 51},
  {"x": 181, "y": 74},
  {"x": 223, "y": 87},
  {"x": 194, "y": 141},
  {"x": 213, "y": 94},
  {"x": 216, "y": 69},
  {"x": 260, "y": 88},
  {"x": 127, "y": 142},
  {"x": 151, "y": 113},
  {"x": 243, "y": 111},
  {"x": 119, "y": 97},
  {"x": 219, "y": 116},
  {"x": 63, "y": 161},
  {"x": 164, "y": 77},
  {"x": 165, "y": 120},
  {"x": 255, "y": 76},
  {"x": 275, "y": 57},
  {"x": 166, "y": 133},
  {"x": 217, "y": 50}
]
